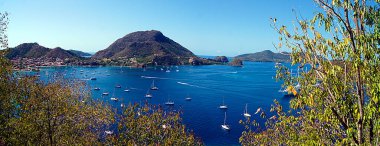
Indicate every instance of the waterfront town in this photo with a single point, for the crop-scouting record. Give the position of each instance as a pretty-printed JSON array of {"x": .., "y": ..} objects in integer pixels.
[{"x": 33, "y": 64}]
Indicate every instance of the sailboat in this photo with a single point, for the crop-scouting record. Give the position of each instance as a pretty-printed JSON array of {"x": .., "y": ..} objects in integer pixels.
[
  {"x": 148, "y": 95},
  {"x": 298, "y": 86},
  {"x": 153, "y": 87},
  {"x": 225, "y": 126},
  {"x": 223, "y": 106},
  {"x": 246, "y": 114},
  {"x": 126, "y": 90},
  {"x": 167, "y": 69},
  {"x": 169, "y": 102},
  {"x": 113, "y": 98}
]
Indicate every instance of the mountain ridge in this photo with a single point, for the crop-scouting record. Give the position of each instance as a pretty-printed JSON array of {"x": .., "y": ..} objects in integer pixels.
[{"x": 34, "y": 50}]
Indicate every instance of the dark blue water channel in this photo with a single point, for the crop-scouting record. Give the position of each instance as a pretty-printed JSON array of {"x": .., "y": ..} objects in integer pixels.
[{"x": 254, "y": 84}]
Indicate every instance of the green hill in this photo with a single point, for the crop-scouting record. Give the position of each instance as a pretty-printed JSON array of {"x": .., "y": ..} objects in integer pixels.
[
  {"x": 146, "y": 47},
  {"x": 34, "y": 50},
  {"x": 265, "y": 56}
]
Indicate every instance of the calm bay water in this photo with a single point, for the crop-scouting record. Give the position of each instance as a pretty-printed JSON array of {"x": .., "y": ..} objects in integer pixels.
[{"x": 254, "y": 84}]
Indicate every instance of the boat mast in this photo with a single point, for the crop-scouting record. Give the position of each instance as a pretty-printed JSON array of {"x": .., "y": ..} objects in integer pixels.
[
  {"x": 246, "y": 110},
  {"x": 225, "y": 116}
]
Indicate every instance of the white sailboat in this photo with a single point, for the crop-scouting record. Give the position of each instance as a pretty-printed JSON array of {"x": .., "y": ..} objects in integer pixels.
[
  {"x": 224, "y": 125},
  {"x": 167, "y": 69},
  {"x": 148, "y": 95},
  {"x": 113, "y": 98},
  {"x": 223, "y": 106},
  {"x": 298, "y": 86},
  {"x": 169, "y": 102},
  {"x": 246, "y": 114},
  {"x": 153, "y": 87}
]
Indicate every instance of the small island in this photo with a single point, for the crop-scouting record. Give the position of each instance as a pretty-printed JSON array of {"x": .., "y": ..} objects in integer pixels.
[
  {"x": 265, "y": 56},
  {"x": 236, "y": 62}
]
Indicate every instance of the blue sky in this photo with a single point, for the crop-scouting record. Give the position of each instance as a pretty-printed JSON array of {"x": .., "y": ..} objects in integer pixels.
[{"x": 206, "y": 27}]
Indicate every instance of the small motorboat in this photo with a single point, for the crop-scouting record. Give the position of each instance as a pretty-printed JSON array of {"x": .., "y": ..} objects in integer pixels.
[{"x": 108, "y": 132}]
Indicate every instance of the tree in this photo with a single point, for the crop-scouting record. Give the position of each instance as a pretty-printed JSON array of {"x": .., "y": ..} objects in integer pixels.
[
  {"x": 338, "y": 102},
  {"x": 57, "y": 113},
  {"x": 5, "y": 80},
  {"x": 33, "y": 112}
]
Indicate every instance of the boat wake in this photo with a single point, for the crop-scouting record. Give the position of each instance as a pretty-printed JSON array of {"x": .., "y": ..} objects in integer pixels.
[
  {"x": 149, "y": 77},
  {"x": 187, "y": 84},
  {"x": 233, "y": 72}
]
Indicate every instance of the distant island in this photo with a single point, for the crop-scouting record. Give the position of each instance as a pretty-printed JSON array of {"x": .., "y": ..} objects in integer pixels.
[{"x": 265, "y": 56}]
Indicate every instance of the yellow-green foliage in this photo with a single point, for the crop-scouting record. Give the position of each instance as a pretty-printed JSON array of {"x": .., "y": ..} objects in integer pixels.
[
  {"x": 341, "y": 44},
  {"x": 58, "y": 113}
]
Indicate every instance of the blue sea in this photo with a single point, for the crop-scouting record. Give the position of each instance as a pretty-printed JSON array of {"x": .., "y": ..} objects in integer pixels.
[{"x": 254, "y": 84}]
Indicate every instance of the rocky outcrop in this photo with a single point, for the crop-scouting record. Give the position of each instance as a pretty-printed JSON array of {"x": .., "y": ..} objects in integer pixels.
[
  {"x": 236, "y": 62},
  {"x": 195, "y": 61},
  {"x": 222, "y": 59}
]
